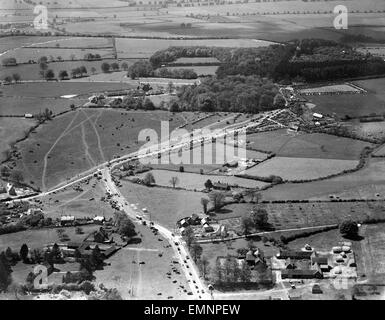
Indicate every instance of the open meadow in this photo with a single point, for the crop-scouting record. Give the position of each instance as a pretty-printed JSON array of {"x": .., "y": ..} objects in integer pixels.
[
  {"x": 304, "y": 145},
  {"x": 290, "y": 168},
  {"x": 50, "y": 156},
  {"x": 371, "y": 178},
  {"x": 195, "y": 181}
]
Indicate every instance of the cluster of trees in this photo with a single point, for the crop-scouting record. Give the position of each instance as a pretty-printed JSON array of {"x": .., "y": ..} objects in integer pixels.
[
  {"x": 44, "y": 116},
  {"x": 124, "y": 225},
  {"x": 107, "y": 67},
  {"x": 92, "y": 57},
  {"x": 249, "y": 94},
  {"x": 144, "y": 68},
  {"x": 13, "y": 78},
  {"x": 257, "y": 219},
  {"x": 8, "y": 62},
  {"x": 230, "y": 272},
  {"x": 196, "y": 251},
  {"x": 77, "y": 72}
]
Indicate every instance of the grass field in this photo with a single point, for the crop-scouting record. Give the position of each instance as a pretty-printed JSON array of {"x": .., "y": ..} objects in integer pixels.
[
  {"x": 194, "y": 181},
  {"x": 289, "y": 168},
  {"x": 79, "y": 204},
  {"x": 37, "y": 238},
  {"x": 58, "y": 89},
  {"x": 200, "y": 70},
  {"x": 346, "y": 88},
  {"x": 166, "y": 206},
  {"x": 315, "y": 145},
  {"x": 371, "y": 178},
  {"x": 301, "y": 215},
  {"x": 22, "y": 105},
  {"x": 12, "y": 129},
  {"x": 352, "y": 105},
  {"x": 32, "y": 71},
  {"x": 50, "y": 155},
  {"x": 148, "y": 280}
]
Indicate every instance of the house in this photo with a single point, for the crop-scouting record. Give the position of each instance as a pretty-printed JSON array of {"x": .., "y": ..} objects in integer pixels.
[
  {"x": 11, "y": 189},
  {"x": 99, "y": 219},
  {"x": 28, "y": 116},
  {"x": 317, "y": 116},
  {"x": 208, "y": 228},
  {"x": 109, "y": 252},
  {"x": 231, "y": 164},
  {"x": 316, "y": 289},
  {"x": 101, "y": 236},
  {"x": 67, "y": 220},
  {"x": 322, "y": 262},
  {"x": 195, "y": 219},
  {"x": 296, "y": 255},
  {"x": 301, "y": 274},
  {"x": 183, "y": 223},
  {"x": 221, "y": 186}
]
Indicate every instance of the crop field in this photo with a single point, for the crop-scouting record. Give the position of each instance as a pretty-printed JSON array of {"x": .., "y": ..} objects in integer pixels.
[
  {"x": 378, "y": 51},
  {"x": 371, "y": 178},
  {"x": 194, "y": 181},
  {"x": 342, "y": 88},
  {"x": 12, "y": 129},
  {"x": 302, "y": 215},
  {"x": 353, "y": 105},
  {"x": 149, "y": 280},
  {"x": 289, "y": 168},
  {"x": 49, "y": 156},
  {"x": 165, "y": 206},
  {"x": 302, "y": 145}
]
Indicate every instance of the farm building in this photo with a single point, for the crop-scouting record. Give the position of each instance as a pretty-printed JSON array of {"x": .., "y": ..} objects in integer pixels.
[
  {"x": 296, "y": 255},
  {"x": 317, "y": 116},
  {"x": 67, "y": 220},
  {"x": 99, "y": 219},
  {"x": 301, "y": 274},
  {"x": 221, "y": 186},
  {"x": 208, "y": 228},
  {"x": 28, "y": 116}
]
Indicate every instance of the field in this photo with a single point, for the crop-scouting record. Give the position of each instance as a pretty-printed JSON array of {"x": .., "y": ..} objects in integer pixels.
[
  {"x": 165, "y": 206},
  {"x": 12, "y": 129},
  {"x": 80, "y": 204},
  {"x": 200, "y": 70},
  {"x": 352, "y": 105},
  {"x": 365, "y": 183},
  {"x": 37, "y": 238},
  {"x": 345, "y": 88},
  {"x": 289, "y": 168},
  {"x": 302, "y": 215},
  {"x": 49, "y": 156},
  {"x": 58, "y": 89},
  {"x": 315, "y": 145},
  {"x": 21, "y": 105},
  {"x": 144, "y": 281},
  {"x": 194, "y": 181},
  {"x": 142, "y": 48},
  {"x": 32, "y": 71}
]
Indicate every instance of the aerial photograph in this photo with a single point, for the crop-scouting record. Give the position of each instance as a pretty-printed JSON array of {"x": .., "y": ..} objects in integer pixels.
[{"x": 192, "y": 150}]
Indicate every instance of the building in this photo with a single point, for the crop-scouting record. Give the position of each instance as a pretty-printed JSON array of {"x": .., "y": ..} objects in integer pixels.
[
  {"x": 11, "y": 189},
  {"x": 67, "y": 220},
  {"x": 28, "y": 116},
  {"x": 317, "y": 116},
  {"x": 301, "y": 274},
  {"x": 322, "y": 262},
  {"x": 221, "y": 186},
  {"x": 99, "y": 219},
  {"x": 296, "y": 255},
  {"x": 208, "y": 228}
]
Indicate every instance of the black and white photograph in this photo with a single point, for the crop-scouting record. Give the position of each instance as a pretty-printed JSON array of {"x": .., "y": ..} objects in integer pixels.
[{"x": 192, "y": 155}]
